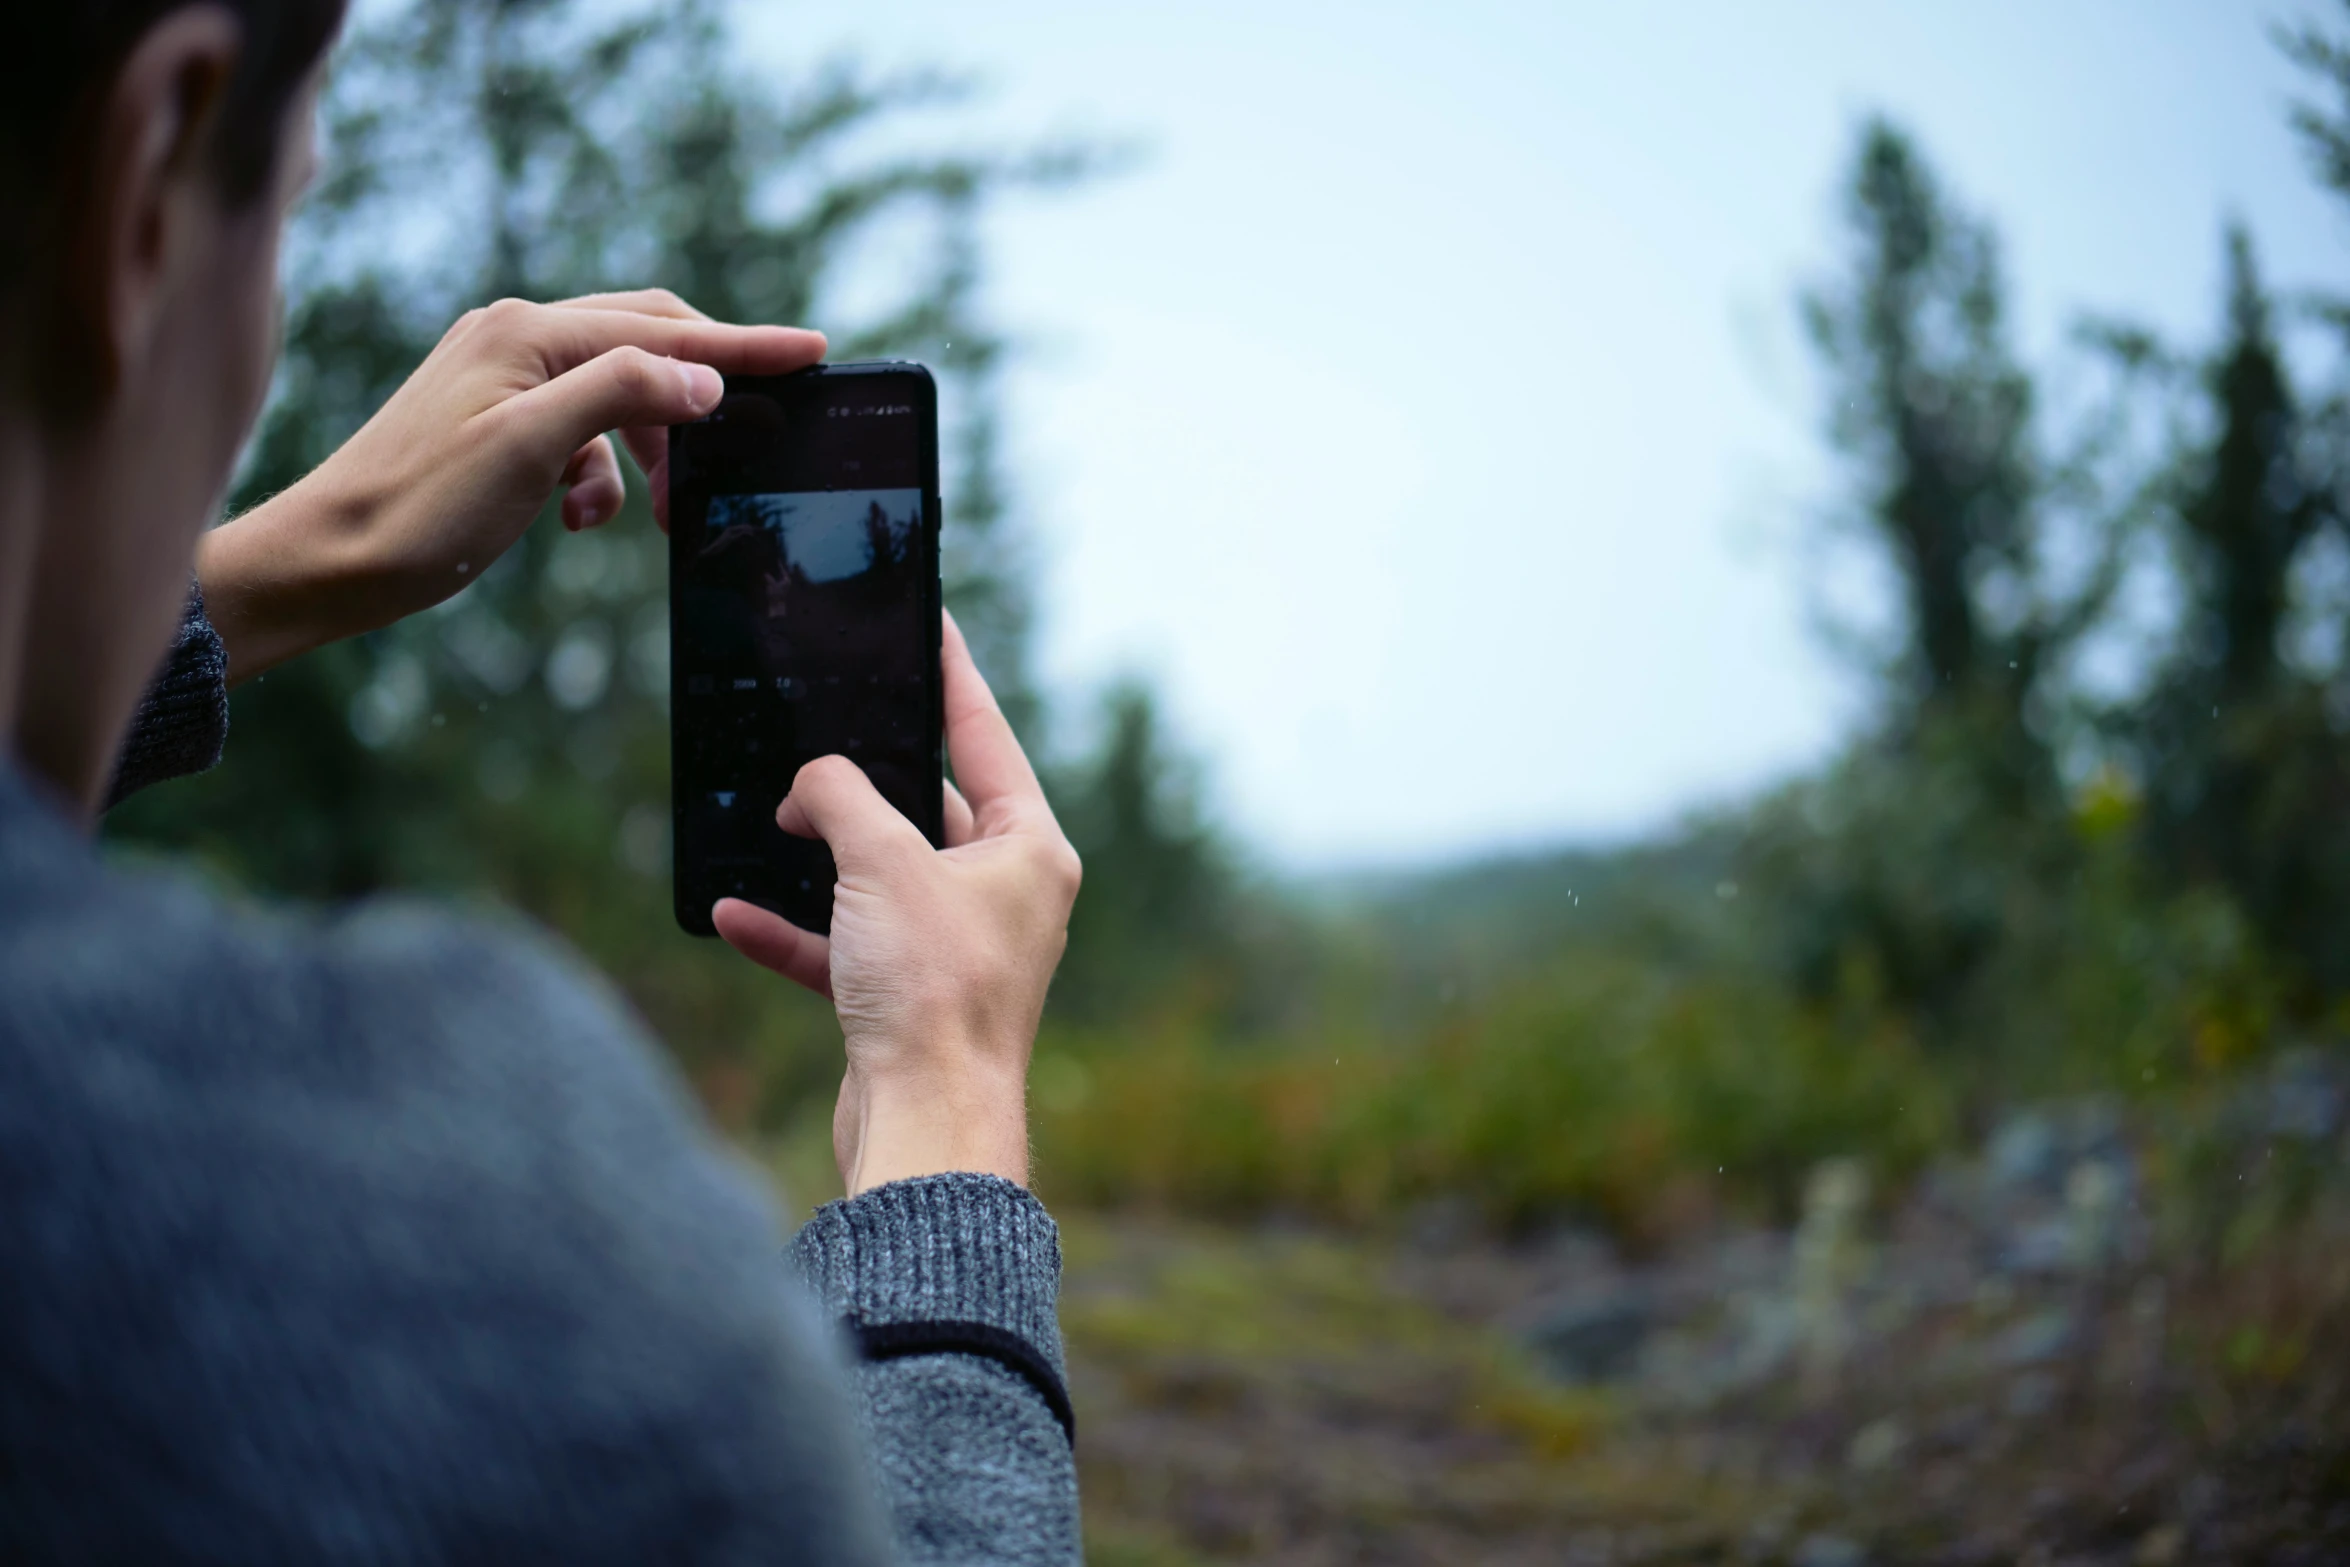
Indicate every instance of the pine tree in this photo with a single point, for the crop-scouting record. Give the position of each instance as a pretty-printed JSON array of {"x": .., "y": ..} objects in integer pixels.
[
  {"x": 2244, "y": 774},
  {"x": 1909, "y": 870},
  {"x": 1929, "y": 403},
  {"x": 1159, "y": 907},
  {"x": 2255, "y": 508}
]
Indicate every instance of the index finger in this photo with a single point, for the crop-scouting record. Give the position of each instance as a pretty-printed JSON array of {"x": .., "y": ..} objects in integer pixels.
[
  {"x": 644, "y": 301},
  {"x": 568, "y": 338},
  {"x": 990, "y": 767},
  {"x": 649, "y": 444},
  {"x": 659, "y": 321}
]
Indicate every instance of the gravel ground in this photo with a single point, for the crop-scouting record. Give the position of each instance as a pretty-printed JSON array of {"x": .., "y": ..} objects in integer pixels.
[{"x": 2004, "y": 1367}]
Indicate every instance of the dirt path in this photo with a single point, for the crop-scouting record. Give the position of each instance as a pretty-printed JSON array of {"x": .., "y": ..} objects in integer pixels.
[{"x": 1276, "y": 1397}]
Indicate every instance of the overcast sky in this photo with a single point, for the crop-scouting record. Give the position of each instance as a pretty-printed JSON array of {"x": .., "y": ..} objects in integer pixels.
[{"x": 1426, "y": 414}]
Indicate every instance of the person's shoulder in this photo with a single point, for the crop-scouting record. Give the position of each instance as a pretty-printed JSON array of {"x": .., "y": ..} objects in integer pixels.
[
  {"x": 392, "y": 1042},
  {"x": 373, "y": 997},
  {"x": 410, "y": 1185},
  {"x": 388, "y": 1052}
]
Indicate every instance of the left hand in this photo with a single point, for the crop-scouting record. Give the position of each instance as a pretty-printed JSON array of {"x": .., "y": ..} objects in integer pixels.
[{"x": 515, "y": 402}]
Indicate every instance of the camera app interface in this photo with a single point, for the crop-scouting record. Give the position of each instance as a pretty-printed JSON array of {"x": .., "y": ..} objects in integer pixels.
[{"x": 803, "y": 626}]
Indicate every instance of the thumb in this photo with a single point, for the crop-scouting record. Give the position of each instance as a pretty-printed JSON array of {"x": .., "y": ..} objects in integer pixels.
[
  {"x": 622, "y": 388},
  {"x": 832, "y": 799}
]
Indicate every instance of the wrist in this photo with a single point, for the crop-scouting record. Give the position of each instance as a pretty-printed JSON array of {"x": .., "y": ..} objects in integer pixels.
[{"x": 955, "y": 1111}]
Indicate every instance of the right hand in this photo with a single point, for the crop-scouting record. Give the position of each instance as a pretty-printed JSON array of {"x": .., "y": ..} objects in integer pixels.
[
  {"x": 939, "y": 958},
  {"x": 514, "y": 403}
]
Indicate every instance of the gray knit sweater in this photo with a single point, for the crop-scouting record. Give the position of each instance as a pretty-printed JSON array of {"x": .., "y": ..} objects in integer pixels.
[{"x": 385, "y": 1237}]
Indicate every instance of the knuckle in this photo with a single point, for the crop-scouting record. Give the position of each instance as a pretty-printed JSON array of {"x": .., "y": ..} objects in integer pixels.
[
  {"x": 632, "y": 372},
  {"x": 1058, "y": 867},
  {"x": 506, "y": 316},
  {"x": 825, "y": 772}
]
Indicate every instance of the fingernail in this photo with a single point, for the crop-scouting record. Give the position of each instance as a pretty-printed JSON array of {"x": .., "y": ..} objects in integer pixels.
[{"x": 703, "y": 385}]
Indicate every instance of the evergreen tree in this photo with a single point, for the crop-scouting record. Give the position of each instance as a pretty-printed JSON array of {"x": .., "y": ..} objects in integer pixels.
[
  {"x": 1928, "y": 868},
  {"x": 2324, "y": 128},
  {"x": 2243, "y": 772},
  {"x": 1905, "y": 872},
  {"x": 1930, "y": 405},
  {"x": 1158, "y": 912},
  {"x": 2246, "y": 523}
]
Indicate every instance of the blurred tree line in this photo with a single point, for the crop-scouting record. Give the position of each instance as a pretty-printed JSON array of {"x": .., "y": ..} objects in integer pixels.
[
  {"x": 2013, "y": 805},
  {"x": 513, "y": 744},
  {"x": 2093, "y": 836}
]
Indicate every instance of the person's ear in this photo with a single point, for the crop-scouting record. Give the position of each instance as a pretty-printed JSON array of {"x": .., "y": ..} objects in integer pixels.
[{"x": 150, "y": 198}]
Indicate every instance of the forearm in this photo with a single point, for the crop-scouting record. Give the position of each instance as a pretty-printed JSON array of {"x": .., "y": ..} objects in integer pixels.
[
  {"x": 949, "y": 1286},
  {"x": 292, "y": 574}
]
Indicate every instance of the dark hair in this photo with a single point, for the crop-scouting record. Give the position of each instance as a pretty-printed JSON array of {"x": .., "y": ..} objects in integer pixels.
[{"x": 62, "y": 56}]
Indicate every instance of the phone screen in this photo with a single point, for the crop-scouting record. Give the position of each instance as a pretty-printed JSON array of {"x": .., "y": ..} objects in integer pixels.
[{"x": 803, "y": 622}]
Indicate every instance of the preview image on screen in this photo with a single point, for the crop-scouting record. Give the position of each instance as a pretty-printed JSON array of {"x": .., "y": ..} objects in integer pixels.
[{"x": 808, "y": 582}]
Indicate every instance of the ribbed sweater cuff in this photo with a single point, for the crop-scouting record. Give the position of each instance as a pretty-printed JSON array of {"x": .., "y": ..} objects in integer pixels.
[
  {"x": 940, "y": 1248},
  {"x": 182, "y": 721}
]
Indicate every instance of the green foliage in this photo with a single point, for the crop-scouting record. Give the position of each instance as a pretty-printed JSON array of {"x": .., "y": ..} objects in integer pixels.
[
  {"x": 1903, "y": 872},
  {"x": 1603, "y": 1087},
  {"x": 2324, "y": 131},
  {"x": 1654, "y": 1067},
  {"x": 1941, "y": 865},
  {"x": 2246, "y": 771},
  {"x": 1904, "y": 869},
  {"x": 2256, "y": 503},
  {"x": 1928, "y": 401},
  {"x": 2008, "y": 886},
  {"x": 1161, "y": 902}
]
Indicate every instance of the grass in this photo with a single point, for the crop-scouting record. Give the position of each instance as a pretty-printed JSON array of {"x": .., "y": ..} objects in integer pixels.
[
  {"x": 1601, "y": 1089},
  {"x": 1280, "y": 1395}
]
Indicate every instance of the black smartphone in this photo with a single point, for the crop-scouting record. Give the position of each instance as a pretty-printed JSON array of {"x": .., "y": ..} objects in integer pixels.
[{"x": 803, "y": 622}]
